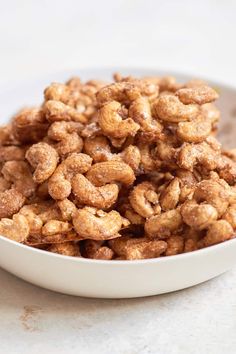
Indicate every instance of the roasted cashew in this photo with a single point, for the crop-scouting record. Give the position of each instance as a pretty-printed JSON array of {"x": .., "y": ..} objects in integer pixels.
[
  {"x": 67, "y": 249},
  {"x": 95, "y": 250},
  {"x": 111, "y": 171},
  {"x": 195, "y": 131},
  {"x": 170, "y": 109},
  {"x": 198, "y": 94},
  {"x": 57, "y": 111},
  {"x": 198, "y": 216},
  {"x": 99, "y": 197},
  {"x": 11, "y": 201},
  {"x": 113, "y": 124},
  {"x": 66, "y": 133},
  {"x": 175, "y": 245},
  {"x": 219, "y": 231},
  {"x": 170, "y": 195},
  {"x": 143, "y": 199},
  {"x": 16, "y": 229},
  {"x": 59, "y": 184},
  {"x": 163, "y": 225},
  {"x": 54, "y": 227},
  {"x": 19, "y": 174},
  {"x": 8, "y": 153},
  {"x": 89, "y": 224},
  {"x": 44, "y": 159}
]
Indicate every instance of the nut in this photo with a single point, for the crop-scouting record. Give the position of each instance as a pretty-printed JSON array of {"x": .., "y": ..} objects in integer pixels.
[
  {"x": 200, "y": 216},
  {"x": 10, "y": 202},
  {"x": 219, "y": 231},
  {"x": 175, "y": 245},
  {"x": 198, "y": 94},
  {"x": 163, "y": 225},
  {"x": 43, "y": 158},
  {"x": 67, "y": 249},
  {"x": 143, "y": 199},
  {"x": 56, "y": 111},
  {"x": 169, "y": 197},
  {"x": 16, "y": 229}
]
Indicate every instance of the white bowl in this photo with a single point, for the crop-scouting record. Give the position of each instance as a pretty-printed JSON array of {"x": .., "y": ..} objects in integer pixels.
[{"x": 114, "y": 279}]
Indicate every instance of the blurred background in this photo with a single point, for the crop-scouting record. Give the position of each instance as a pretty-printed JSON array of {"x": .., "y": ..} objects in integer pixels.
[{"x": 38, "y": 37}]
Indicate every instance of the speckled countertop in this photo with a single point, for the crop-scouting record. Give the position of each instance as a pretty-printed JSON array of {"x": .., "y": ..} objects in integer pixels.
[{"x": 201, "y": 319}]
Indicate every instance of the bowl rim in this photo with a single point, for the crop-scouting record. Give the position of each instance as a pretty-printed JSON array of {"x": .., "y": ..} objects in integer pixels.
[{"x": 111, "y": 69}]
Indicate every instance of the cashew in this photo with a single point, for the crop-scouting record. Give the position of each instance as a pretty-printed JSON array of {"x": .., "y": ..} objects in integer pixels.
[
  {"x": 56, "y": 111},
  {"x": 67, "y": 209},
  {"x": 96, "y": 250},
  {"x": 54, "y": 227},
  {"x": 59, "y": 184},
  {"x": 210, "y": 112},
  {"x": 88, "y": 224},
  {"x": 198, "y": 94},
  {"x": 16, "y": 229},
  {"x": 98, "y": 148},
  {"x": 142, "y": 201},
  {"x": 199, "y": 217},
  {"x": 58, "y": 92},
  {"x": 19, "y": 174},
  {"x": 112, "y": 123},
  {"x": 163, "y": 225},
  {"x": 214, "y": 193},
  {"x": 109, "y": 172},
  {"x": 10, "y": 202},
  {"x": 29, "y": 125},
  {"x": 195, "y": 131},
  {"x": 8, "y": 153},
  {"x": 170, "y": 109},
  {"x": 67, "y": 135},
  {"x": 219, "y": 231},
  {"x": 175, "y": 245},
  {"x": 67, "y": 249},
  {"x": 99, "y": 197},
  {"x": 44, "y": 159},
  {"x": 230, "y": 215},
  {"x": 169, "y": 197},
  {"x": 137, "y": 248}
]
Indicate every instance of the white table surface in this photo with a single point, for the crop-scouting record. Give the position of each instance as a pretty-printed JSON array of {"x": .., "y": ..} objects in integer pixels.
[{"x": 195, "y": 37}]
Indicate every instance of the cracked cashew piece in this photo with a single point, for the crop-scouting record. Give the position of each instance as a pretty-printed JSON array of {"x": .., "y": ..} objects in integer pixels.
[
  {"x": 59, "y": 184},
  {"x": 16, "y": 229},
  {"x": 90, "y": 223},
  {"x": 170, "y": 109},
  {"x": 199, "y": 94},
  {"x": 19, "y": 174},
  {"x": 163, "y": 225},
  {"x": 11, "y": 201},
  {"x": 43, "y": 158},
  {"x": 109, "y": 172},
  {"x": 198, "y": 216},
  {"x": 88, "y": 194},
  {"x": 143, "y": 199},
  {"x": 137, "y": 248},
  {"x": 112, "y": 123}
]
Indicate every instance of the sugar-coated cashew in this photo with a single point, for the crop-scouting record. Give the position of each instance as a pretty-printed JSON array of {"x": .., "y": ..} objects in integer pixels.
[
  {"x": 170, "y": 109},
  {"x": 169, "y": 197},
  {"x": 195, "y": 131},
  {"x": 140, "y": 112},
  {"x": 163, "y": 225},
  {"x": 99, "y": 197},
  {"x": 59, "y": 184},
  {"x": 57, "y": 111},
  {"x": 98, "y": 148},
  {"x": 16, "y": 229},
  {"x": 198, "y": 94},
  {"x": 210, "y": 112},
  {"x": 29, "y": 125},
  {"x": 219, "y": 231},
  {"x": 54, "y": 227},
  {"x": 214, "y": 193},
  {"x": 111, "y": 171},
  {"x": 19, "y": 174},
  {"x": 143, "y": 199},
  {"x": 190, "y": 245},
  {"x": 112, "y": 123},
  {"x": 90, "y": 224},
  {"x": 58, "y": 92},
  {"x": 137, "y": 248},
  {"x": 67, "y": 249},
  {"x": 96, "y": 250},
  {"x": 230, "y": 215},
  {"x": 131, "y": 156},
  {"x": 175, "y": 245},
  {"x": 67, "y": 209},
  {"x": 66, "y": 133},
  {"x": 34, "y": 221},
  {"x": 198, "y": 216},
  {"x": 11, "y": 201},
  {"x": 44, "y": 159},
  {"x": 8, "y": 153}
]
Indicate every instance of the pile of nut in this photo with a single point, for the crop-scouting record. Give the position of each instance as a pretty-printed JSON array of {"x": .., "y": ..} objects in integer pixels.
[{"x": 124, "y": 170}]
